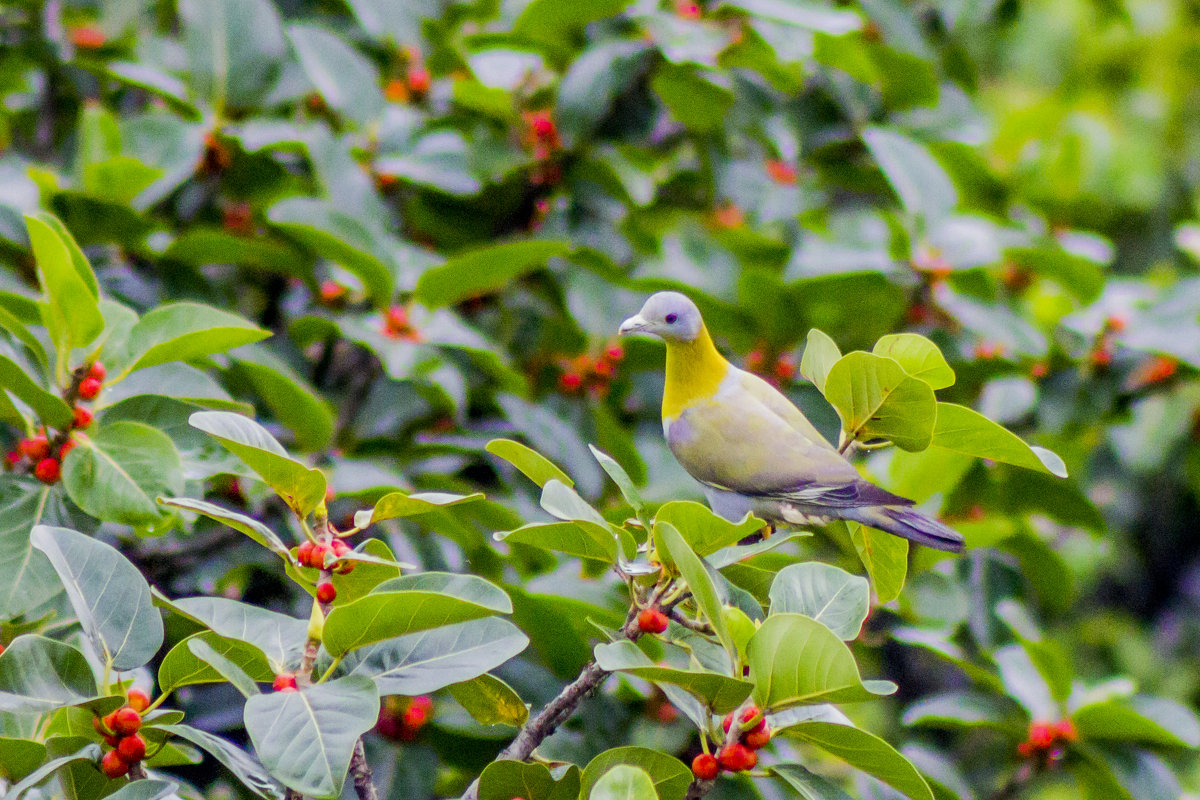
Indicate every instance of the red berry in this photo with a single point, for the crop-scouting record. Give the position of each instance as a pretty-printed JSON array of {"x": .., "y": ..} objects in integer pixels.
[
  {"x": 396, "y": 91},
  {"x": 570, "y": 381},
  {"x": 542, "y": 125},
  {"x": 326, "y": 593},
  {"x": 97, "y": 371},
  {"x": 615, "y": 353},
  {"x": 1116, "y": 323},
  {"x": 727, "y": 723},
  {"x": 757, "y": 738},
  {"x": 284, "y": 682},
  {"x": 688, "y": 9},
  {"x": 1026, "y": 749},
  {"x": 781, "y": 172},
  {"x": 750, "y": 713},
  {"x": 316, "y": 557},
  {"x": 423, "y": 702},
  {"x": 139, "y": 701},
  {"x": 651, "y": 620},
  {"x": 1041, "y": 734},
  {"x": 126, "y": 721},
  {"x": 89, "y": 37},
  {"x": 108, "y": 722},
  {"x": 755, "y": 360},
  {"x": 414, "y": 717},
  {"x": 67, "y": 447},
  {"x": 602, "y": 368},
  {"x": 1066, "y": 731},
  {"x": 98, "y": 725},
  {"x": 83, "y": 417},
  {"x": 1039, "y": 370},
  {"x": 11, "y": 459},
  {"x": 48, "y": 470},
  {"x": 304, "y": 553},
  {"x": 112, "y": 766},
  {"x": 1101, "y": 357},
  {"x": 331, "y": 292},
  {"x": 89, "y": 388},
  {"x": 418, "y": 79},
  {"x": 737, "y": 758},
  {"x": 35, "y": 448},
  {"x": 785, "y": 367},
  {"x": 340, "y": 548},
  {"x": 397, "y": 318},
  {"x": 705, "y": 766},
  {"x": 131, "y": 749}
]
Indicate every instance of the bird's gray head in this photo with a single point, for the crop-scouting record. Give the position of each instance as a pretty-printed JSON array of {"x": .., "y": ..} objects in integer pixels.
[{"x": 669, "y": 315}]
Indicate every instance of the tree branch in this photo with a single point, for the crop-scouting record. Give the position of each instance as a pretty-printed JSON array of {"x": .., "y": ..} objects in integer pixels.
[
  {"x": 698, "y": 789},
  {"x": 360, "y": 773}
]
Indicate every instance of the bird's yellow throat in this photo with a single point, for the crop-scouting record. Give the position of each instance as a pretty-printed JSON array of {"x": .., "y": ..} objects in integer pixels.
[{"x": 694, "y": 372}]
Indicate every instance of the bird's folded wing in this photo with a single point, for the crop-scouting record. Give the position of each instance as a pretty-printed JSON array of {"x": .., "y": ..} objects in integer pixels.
[{"x": 778, "y": 404}]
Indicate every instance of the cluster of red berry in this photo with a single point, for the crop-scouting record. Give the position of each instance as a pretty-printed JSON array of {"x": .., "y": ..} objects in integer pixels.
[
  {"x": 120, "y": 732},
  {"x": 416, "y": 81},
  {"x": 735, "y": 755},
  {"x": 594, "y": 373},
  {"x": 401, "y": 718},
  {"x": 397, "y": 325},
  {"x": 1047, "y": 739},
  {"x": 36, "y": 451},
  {"x": 542, "y": 139},
  {"x": 777, "y": 369},
  {"x": 313, "y": 554}
]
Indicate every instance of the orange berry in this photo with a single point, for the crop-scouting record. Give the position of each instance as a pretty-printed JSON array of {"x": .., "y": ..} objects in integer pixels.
[
  {"x": 757, "y": 738},
  {"x": 326, "y": 593},
  {"x": 284, "y": 682},
  {"x": 67, "y": 447},
  {"x": 396, "y": 91},
  {"x": 651, "y": 620},
  {"x": 1065, "y": 729},
  {"x": 48, "y": 470},
  {"x": 781, "y": 172},
  {"x": 112, "y": 766},
  {"x": 1039, "y": 370},
  {"x": 705, "y": 767},
  {"x": 688, "y": 9},
  {"x": 131, "y": 749},
  {"x": 126, "y": 721},
  {"x": 1116, "y": 323},
  {"x": 737, "y": 758},
  {"x": 422, "y": 701},
  {"x": 1042, "y": 734},
  {"x": 35, "y": 448},
  {"x": 97, "y": 371},
  {"x": 756, "y": 359},
  {"x": 331, "y": 292},
  {"x": 570, "y": 381},
  {"x": 89, "y": 37},
  {"x": 89, "y": 388},
  {"x": 1101, "y": 357},
  {"x": 414, "y": 717},
  {"x": 316, "y": 556},
  {"x": 785, "y": 367},
  {"x": 615, "y": 353},
  {"x": 304, "y": 554},
  {"x": 83, "y": 417},
  {"x": 729, "y": 216},
  {"x": 139, "y": 701}
]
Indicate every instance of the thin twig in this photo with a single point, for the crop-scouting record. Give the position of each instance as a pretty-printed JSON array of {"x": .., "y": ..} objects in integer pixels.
[
  {"x": 689, "y": 623},
  {"x": 698, "y": 789},
  {"x": 360, "y": 773}
]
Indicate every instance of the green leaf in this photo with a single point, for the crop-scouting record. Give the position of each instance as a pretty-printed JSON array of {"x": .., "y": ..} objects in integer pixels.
[
  {"x": 347, "y": 80},
  {"x": 552, "y": 21},
  {"x": 185, "y": 331},
  {"x": 917, "y": 356},
  {"x": 866, "y": 752},
  {"x": 246, "y": 767},
  {"x": 504, "y": 780},
  {"x": 90, "y": 752},
  {"x": 531, "y": 463},
  {"x": 699, "y": 104},
  {"x": 918, "y": 179},
  {"x": 484, "y": 270},
  {"x": 720, "y": 693},
  {"x": 234, "y": 48},
  {"x": 669, "y": 775},
  {"x": 820, "y": 354},
  {"x": 1154, "y": 721},
  {"x": 293, "y": 401},
  {"x": 145, "y": 789},
  {"x": 424, "y": 662},
  {"x": 833, "y": 597},
  {"x": 621, "y": 478},
  {"x": 239, "y": 522},
  {"x": 594, "y": 81},
  {"x": 624, "y": 782},
  {"x": 808, "y": 785},
  {"x": 795, "y": 660},
  {"x": 303, "y": 489},
  {"x": 30, "y": 579},
  {"x": 490, "y": 701},
  {"x": 39, "y": 675},
  {"x": 876, "y": 399},
  {"x": 181, "y": 666},
  {"x": 964, "y": 431},
  {"x": 50, "y": 407},
  {"x": 19, "y": 757},
  {"x": 116, "y": 474},
  {"x": 885, "y": 557},
  {"x": 226, "y": 668},
  {"x": 674, "y": 550},
  {"x": 73, "y": 308},
  {"x": 278, "y": 636},
  {"x": 575, "y": 538},
  {"x": 109, "y": 595},
  {"x": 704, "y": 531},
  {"x": 967, "y": 709},
  {"x": 411, "y": 604},
  {"x": 305, "y": 738},
  {"x": 339, "y": 237},
  {"x": 813, "y": 16},
  {"x": 399, "y": 504}
]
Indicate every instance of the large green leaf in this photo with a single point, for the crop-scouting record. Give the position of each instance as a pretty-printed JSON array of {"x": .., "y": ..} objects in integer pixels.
[
  {"x": 965, "y": 431},
  {"x": 301, "y": 488},
  {"x": 575, "y": 538},
  {"x": 704, "y": 531},
  {"x": 808, "y": 785},
  {"x": 795, "y": 660},
  {"x": 411, "y": 604},
  {"x": 292, "y": 400},
  {"x": 116, "y": 474},
  {"x": 73, "y": 309},
  {"x": 19, "y": 757},
  {"x": 50, "y": 407},
  {"x": 423, "y": 662},
  {"x": 918, "y": 179},
  {"x": 39, "y": 674},
  {"x": 866, "y": 752},
  {"x": 280, "y": 637},
  {"x": 504, "y": 780},
  {"x": 531, "y": 463},
  {"x": 246, "y": 767},
  {"x": 624, "y": 782},
  {"x": 185, "y": 331},
  {"x": 305, "y": 738},
  {"x": 234, "y": 49},
  {"x": 227, "y": 668},
  {"x": 876, "y": 399},
  {"x": 182, "y": 667},
  {"x": 669, "y": 775},
  {"x": 674, "y": 550},
  {"x": 239, "y": 522},
  {"x": 967, "y": 709},
  {"x": 30, "y": 579},
  {"x": 399, "y": 504},
  {"x": 885, "y": 556},
  {"x": 820, "y": 354},
  {"x": 490, "y": 701},
  {"x": 89, "y": 752},
  {"x": 835, "y": 598},
  {"x": 484, "y": 270},
  {"x": 918, "y": 356},
  {"x": 719, "y": 692},
  {"x": 1149, "y": 720},
  {"x": 109, "y": 595},
  {"x": 347, "y": 80},
  {"x": 698, "y": 103}
]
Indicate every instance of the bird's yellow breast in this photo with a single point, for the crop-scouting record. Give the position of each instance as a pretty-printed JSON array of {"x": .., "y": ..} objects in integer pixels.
[{"x": 694, "y": 372}]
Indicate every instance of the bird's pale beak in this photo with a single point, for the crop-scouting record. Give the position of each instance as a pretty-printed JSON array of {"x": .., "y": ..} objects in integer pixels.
[{"x": 632, "y": 325}]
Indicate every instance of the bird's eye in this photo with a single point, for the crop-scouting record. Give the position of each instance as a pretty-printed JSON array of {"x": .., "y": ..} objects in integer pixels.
[{"x": 671, "y": 318}]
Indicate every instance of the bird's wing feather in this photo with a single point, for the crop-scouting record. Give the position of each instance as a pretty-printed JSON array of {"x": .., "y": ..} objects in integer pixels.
[{"x": 778, "y": 404}]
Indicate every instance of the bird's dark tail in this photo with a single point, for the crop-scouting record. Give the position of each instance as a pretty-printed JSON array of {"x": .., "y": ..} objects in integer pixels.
[{"x": 909, "y": 524}]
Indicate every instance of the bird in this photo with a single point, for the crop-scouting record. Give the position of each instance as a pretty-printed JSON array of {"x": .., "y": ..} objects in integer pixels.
[{"x": 752, "y": 449}]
